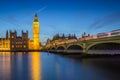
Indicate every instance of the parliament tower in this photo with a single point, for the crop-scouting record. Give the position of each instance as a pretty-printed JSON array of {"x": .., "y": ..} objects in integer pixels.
[{"x": 36, "y": 29}]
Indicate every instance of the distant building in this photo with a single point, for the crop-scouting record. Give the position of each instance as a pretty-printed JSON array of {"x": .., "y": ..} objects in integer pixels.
[
  {"x": 4, "y": 44},
  {"x": 18, "y": 42},
  {"x": 63, "y": 37}
]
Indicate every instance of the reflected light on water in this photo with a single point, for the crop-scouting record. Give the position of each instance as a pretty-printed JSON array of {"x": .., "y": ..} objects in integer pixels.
[
  {"x": 35, "y": 66},
  {"x": 5, "y": 68},
  {"x": 41, "y": 66}
]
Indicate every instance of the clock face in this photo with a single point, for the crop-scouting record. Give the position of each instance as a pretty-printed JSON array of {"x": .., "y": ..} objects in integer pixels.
[
  {"x": 36, "y": 27},
  {"x": 36, "y": 23}
]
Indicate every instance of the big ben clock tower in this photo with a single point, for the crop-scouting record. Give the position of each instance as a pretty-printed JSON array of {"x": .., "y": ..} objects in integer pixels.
[{"x": 36, "y": 29}]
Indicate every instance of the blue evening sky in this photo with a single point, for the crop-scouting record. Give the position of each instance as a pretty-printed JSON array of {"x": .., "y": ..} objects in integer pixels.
[{"x": 60, "y": 16}]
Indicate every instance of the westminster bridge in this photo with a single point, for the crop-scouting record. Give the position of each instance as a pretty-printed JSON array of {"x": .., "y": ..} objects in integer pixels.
[{"x": 103, "y": 45}]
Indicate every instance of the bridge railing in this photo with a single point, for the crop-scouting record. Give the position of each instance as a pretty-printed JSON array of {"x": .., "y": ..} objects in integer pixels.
[
  {"x": 74, "y": 51},
  {"x": 104, "y": 52},
  {"x": 67, "y": 51}
]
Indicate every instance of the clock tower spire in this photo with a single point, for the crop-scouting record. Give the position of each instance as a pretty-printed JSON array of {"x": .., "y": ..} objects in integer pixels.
[
  {"x": 36, "y": 29},
  {"x": 36, "y": 18}
]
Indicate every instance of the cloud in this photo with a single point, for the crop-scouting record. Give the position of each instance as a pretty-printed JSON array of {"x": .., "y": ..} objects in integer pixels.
[
  {"x": 41, "y": 9},
  {"x": 106, "y": 21},
  {"x": 31, "y": 14},
  {"x": 11, "y": 21}
]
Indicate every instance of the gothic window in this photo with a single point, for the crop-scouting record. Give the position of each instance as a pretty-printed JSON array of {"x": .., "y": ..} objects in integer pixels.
[
  {"x": 24, "y": 46},
  {"x": 12, "y": 36},
  {"x": 12, "y": 46}
]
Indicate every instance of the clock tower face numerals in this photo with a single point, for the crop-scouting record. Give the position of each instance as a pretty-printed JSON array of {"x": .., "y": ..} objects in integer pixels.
[
  {"x": 36, "y": 24},
  {"x": 36, "y": 27}
]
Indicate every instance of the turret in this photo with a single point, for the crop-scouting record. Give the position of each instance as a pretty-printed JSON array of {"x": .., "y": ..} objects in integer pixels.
[{"x": 7, "y": 34}]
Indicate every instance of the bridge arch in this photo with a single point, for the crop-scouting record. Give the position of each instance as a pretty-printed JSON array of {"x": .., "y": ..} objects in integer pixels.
[
  {"x": 74, "y": 49},
  {"x": 53, "y": 48},
  {"x": 104, "y": 46},
  {"x": 73, "y": 45},
  {"x": 60, "y": 48},
  {"x": 48, "y": 49}
]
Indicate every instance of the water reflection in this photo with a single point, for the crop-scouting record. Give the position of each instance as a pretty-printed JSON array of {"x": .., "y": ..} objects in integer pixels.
[
  {"x": 35, "y": 66},
  {"x": 5, "y": 65},
  {"x": 104, "y": 68},
  {"x": 57, "y": 66},
  {"x": 44, "y": 66},
  {"x": 20, "y": 66}
]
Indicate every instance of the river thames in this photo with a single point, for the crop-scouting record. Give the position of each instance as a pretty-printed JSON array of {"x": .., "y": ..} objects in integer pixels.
[{"x": 46, "y": 66}]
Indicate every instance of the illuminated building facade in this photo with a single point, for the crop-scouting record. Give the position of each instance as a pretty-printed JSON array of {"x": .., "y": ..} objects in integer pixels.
[
  {"x": 18, "y": 42},
  {"x": 30, "y": 44},
  {"x": 5, "y": 43},
  {"x": 13, "y": 42}
]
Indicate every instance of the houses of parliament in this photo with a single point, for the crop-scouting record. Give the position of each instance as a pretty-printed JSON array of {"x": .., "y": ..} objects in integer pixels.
[{"x": 13, "y": 42}]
